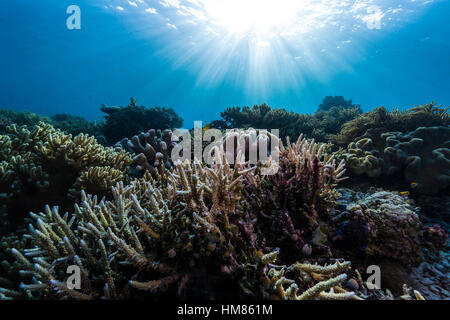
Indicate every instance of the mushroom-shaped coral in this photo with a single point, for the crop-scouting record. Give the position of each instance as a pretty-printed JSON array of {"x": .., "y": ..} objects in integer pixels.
[{"x": 423, "y": 155}]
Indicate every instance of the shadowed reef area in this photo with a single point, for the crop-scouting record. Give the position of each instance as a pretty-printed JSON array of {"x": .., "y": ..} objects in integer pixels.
[{"x": 352, "y": 190}]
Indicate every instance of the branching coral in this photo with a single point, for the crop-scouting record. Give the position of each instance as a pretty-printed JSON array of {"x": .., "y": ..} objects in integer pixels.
[
  {"x": 193, "y": 231},
  {"x": 164, "y": 233},
  {"x": 194, "y": 217},
  {"x": 153, "y": 150},
  {"x": 291, "y": 201},
  {"x": 43, "y": 164}
]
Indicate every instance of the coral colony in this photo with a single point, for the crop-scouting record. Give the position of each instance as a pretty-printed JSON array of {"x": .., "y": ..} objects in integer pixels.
[{"x": 329, "y": 206}]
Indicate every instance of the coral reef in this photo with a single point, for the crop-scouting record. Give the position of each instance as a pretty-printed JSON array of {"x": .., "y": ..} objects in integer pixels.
[
  {"x": 121, "y": 122},
  {"x": 383, "y": 226},
  {"x": 255, "y": 145},
  {"x": 184, "y": 233},
  {"x": 292, "y": 201},
  {"x": 330, "y": 102},
  {"x": 432, "y": 277},
  {"x": 318, "y": 125},
  {"x": 422, "y": 157},
  {"x": 43, "y": 165},
  {"x": 75, "y": 125},
  {"x": 392, "y": 224},
  {"x": 153, "y": 150},
  {"x": 70, "y": 124},
  {"x": 223, "y": 229},
  {"x": 10, "y": 117},
  {"x": 427, "y": 115}
]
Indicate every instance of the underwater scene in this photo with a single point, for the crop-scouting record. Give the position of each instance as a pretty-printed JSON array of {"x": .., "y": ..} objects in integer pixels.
[{"x": 175, "y": 150}]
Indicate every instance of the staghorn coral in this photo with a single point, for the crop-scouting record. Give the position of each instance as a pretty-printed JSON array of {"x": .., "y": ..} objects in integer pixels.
[
  {"x": 426, "y": 115},
  {"x": 128, "y": 121},
  {"x": 194, "y": 231},
  {"x": 147, "y": 225},
  {"x": 43, "y": 164},
  {"x": 363, "y": 156},
  {"x": 159, "y": 234},
  {"x": 420, "y": 156},
  {"x": 153, "y": 150},
  {"x": 290, "y": 202}
]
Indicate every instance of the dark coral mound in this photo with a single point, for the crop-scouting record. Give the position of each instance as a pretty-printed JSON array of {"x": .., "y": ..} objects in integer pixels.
[
  {"x": 326, "y": 121},
  {"x": 337, "y": 101},
  {"x": 70, "y": 124},
  {"x": 122, "y": 122}
]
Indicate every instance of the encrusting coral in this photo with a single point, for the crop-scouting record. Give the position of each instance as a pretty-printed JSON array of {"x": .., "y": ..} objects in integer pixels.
[
  {"x": 43, "y": 165},
  {"x": 393, "y": 227}
]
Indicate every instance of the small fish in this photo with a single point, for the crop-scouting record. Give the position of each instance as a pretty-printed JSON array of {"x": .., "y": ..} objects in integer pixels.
[
  {"x": 414, "y": 185},
  {"x": 207, "y": 127},
  {"x": 404, "y": 193},
  {"x": 318, "y": 237}
]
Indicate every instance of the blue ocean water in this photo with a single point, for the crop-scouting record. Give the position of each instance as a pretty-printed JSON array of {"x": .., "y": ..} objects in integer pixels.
[{"x": 201, "y": 56}]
